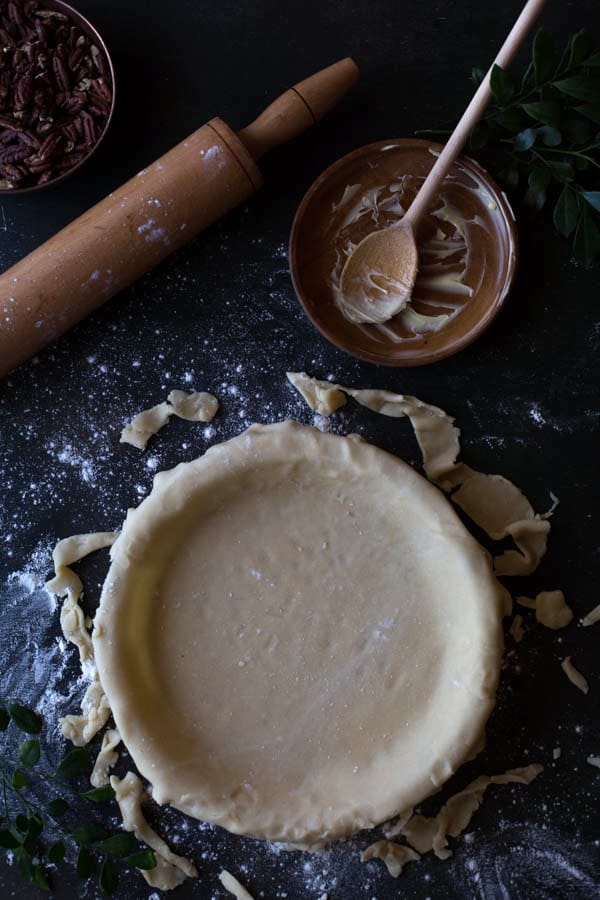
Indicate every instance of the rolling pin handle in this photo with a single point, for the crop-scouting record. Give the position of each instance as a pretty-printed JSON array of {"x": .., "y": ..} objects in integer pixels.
[{"x": 299, "y": 108}]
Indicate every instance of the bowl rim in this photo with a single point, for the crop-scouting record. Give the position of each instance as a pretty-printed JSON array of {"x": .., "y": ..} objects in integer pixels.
[
  {"x": 88, "y": 27},
  {"x": 459, "y": 343}
]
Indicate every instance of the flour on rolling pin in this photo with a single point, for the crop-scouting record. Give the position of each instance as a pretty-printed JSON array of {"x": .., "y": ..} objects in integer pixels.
[{"x": 141, "y": 223}]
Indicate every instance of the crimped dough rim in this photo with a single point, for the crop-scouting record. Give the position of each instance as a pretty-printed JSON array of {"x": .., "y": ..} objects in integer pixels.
[{"x": 123, "y": 635}]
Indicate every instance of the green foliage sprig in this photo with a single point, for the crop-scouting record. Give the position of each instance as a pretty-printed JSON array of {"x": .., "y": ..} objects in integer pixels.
[
  {"x": 38, "y": 836},
  {"x": 540, "y": 136}
]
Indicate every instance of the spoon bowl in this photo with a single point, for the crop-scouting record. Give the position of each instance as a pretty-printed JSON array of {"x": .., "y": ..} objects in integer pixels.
[{"x": 379, "y": 276}]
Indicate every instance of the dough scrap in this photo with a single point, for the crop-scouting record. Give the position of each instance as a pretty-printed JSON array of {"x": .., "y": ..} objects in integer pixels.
[
  {"x": 426, "y": 834},
  {"x": 574, "y": 676},
  {"x": 594, "y": 761},
  {"x": 412, "y": 617},
  {"x": 324, "y": 398},
  {"x": 95, "y": 713},
  {"x": 551, "y": 609},
  {"x": 395, "y": 856},
  {"x": 106, "y": 759},
  {"x": 66, "y": 583},
  {"x": 195, "y": 407},
  {"x": 173, "y": 869},
  {"x": 592, "y": 617},
  {"x": 231, "y": 884},
  {"x": 491, "y": 501},
  {"x": 516, "y": 629},
  {"x": 394, "y": 828},
  {"x": 95, "y": 710}
]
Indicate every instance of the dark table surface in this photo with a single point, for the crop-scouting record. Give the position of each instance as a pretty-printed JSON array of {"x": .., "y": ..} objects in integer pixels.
[{"x": 221, "y": 315}]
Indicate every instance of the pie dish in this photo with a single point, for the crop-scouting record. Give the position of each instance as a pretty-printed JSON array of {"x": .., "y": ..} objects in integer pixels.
[{"x": 297, "y": 636}]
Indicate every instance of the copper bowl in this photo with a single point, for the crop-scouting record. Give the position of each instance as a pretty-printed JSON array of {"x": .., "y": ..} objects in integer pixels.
[
  {"x": 95, "y": 36},
  {"x": 314, "y": 254}
]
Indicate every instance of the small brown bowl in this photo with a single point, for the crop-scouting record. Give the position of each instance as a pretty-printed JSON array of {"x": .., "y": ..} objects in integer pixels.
[
  {"x": 88, "y": 29},
  {"x": 321, "y": 238}
]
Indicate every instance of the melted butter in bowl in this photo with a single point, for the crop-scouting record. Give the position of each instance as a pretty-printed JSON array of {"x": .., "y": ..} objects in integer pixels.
[{"x": 467, "y": 251}]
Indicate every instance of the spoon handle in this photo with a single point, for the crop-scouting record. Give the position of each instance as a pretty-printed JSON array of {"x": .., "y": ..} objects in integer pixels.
[{"x": 472, "y": 113}]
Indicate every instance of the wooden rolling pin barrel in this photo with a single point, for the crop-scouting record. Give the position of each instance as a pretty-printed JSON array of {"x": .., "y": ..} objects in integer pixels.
[{"x": 140, "y": 224}]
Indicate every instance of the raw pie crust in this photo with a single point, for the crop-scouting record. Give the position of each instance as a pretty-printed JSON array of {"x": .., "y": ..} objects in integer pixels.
[{"x": 297, "y": 636}]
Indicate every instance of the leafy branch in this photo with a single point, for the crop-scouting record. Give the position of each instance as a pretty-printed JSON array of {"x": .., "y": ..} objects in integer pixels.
[
  {"x": 38, "y": 836},
  {"x": 540, "y": 136}
]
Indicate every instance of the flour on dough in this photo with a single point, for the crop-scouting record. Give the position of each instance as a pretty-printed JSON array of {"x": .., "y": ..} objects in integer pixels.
[
  {"x": 195, "y": 407},
  {"x": 231, "y": 884},
  {"x": 66, "y": 583},
  {"x": 592, "y": 617},
  {"x": 574, "y": 676},
  {"x": 491, "y": 501},
  {"x": 106, "y": 759},
  {"x": 395, "y": 856},
  {"x": 425, "y": 834},
  {"x": 551, "y": 609},
  {"x": 171, "y": 870}
]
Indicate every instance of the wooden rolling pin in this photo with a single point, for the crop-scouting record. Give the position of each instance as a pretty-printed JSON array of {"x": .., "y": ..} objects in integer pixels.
[{"x": 136, "y": 227}]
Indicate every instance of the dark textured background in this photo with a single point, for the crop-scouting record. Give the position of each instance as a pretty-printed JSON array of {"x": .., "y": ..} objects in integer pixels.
[{"x": 221, "y": 316}]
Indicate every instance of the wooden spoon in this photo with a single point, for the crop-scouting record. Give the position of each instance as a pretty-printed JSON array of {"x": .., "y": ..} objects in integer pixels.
[{"x": 379, "y": 276}]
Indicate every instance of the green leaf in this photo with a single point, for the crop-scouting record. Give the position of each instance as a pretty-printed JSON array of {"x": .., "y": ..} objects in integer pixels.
[
  {"x": 551, "y": 137},
  {"x": 590, "y": 111},
  {"x": 24, "y": 718},
  {"x": 544, "y": 56},
  {"x": 22, "y": 823},
  {"x": 144, "y": 859},
  {"x": 593, "y": 198},
  {"x": 87, "y": 832},
  {"x": 525, "y": 140},
  {"x": 19, "y": 779},
  {"x": 118, "y": 844},
  {"x": 99, "y": 794},
  {"x": 57, "y": 808},
  {"x": 593, "y": 61},
  {"x": 578, "y": 131},
  {"x": 56, "y": 853},
  {"x": 77, "y": 762},
  {"x": 502, "y": 86},
  {"x": 35, "y": 826},
  {"x": 586, "y": 245},
  {"x": 86, "y": 864},
  {"x": 477, "y": 76},
  {"x": 29, "y": 753},
  {"x": 547, "y": 112},
  {"x": 109, "y": 878},
  {"x": 4, "y": 718},
  {"x": 561, "y": 171},
  {"x": 580, "y": 46},
  {"x": 512, "y": 119},
  {"x": 538, "y": 181},
  {"x": 8, "y": 840},
  {"x": 528, "y": 79},
  {"x": 24, "y": 862},
  {"x": 580, "y": 87},
  {"x": 39, "y": 878},
  {"x": 479, "y": 136}
]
